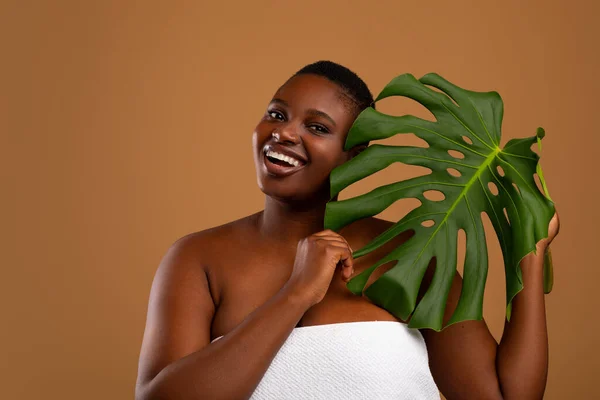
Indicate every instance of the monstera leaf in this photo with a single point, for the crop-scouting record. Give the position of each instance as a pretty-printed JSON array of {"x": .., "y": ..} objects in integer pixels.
[{"x": 475, "y": 176}]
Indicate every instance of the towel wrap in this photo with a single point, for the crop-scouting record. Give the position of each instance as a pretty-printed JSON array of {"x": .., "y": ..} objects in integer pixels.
[{"x": 374, "y": 360}]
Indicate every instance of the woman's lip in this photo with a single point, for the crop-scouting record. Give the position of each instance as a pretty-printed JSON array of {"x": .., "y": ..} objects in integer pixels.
[
  {"x": 285, "y": 152},
  {"x": 279, "y": 170}
]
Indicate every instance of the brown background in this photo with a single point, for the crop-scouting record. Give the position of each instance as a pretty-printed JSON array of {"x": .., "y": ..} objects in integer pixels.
[{"x": 125, "y": 125}]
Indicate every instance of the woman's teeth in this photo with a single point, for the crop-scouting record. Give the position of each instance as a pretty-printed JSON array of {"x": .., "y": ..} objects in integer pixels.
[{"x": 287, "y": 159}]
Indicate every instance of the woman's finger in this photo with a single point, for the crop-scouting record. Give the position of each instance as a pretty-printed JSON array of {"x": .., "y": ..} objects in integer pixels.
[{"x": 330, "y": 233}]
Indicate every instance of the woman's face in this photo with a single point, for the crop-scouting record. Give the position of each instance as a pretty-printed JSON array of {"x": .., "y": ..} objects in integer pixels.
[{"x": 312, "y": 116}]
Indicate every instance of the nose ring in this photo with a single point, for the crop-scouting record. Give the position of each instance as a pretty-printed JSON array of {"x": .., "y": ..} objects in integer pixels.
[{"x": 275, "y": 136}]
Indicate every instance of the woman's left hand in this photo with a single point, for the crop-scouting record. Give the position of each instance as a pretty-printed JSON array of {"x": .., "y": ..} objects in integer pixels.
[{"x": 553, "y": 229}]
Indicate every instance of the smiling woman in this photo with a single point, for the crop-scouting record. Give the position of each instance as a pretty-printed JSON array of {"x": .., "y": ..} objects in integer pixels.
[
  {"x": 258, "y": 308},
  {"x": 304, "y": 127}
]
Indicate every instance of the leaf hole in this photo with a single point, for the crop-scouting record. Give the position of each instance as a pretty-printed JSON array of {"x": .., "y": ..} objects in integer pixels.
[
  {"x": 382, "y": 269},
  {"x": 493, "y": 273},
  {"x": 456, "y": 154},
  {"x": 467, "y": 139},
  {"x": 394, "y": 172},
  {"x": 428, "y": 223},
  {"x": 400, "y": 105},
  {"x": 535, "y": 147},
  {"x": 538, "y": 182},
  {"x": 461, "y": 251},
  {"x": 446, "y": 95},
  {"x": 500, "y": 170},
  {"x": 517, "y": 188},
  {"x": 398, "y": 209},
  {"x": 506, "y": 215},
  {"x": 434, "y": 195},
  {"x": 493, "y": 188},
  {"x": 453, "y": 172}
]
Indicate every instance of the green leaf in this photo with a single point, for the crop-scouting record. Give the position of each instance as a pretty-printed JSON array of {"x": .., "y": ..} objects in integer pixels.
[
  {"x": 468, "y": 122},
  {"x": 548, "y": 271}
]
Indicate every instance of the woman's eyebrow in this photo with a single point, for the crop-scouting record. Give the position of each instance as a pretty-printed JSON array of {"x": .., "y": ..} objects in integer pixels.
[
  {"x": 279, "y": 101},
  {"x": 318, "y": 113}
]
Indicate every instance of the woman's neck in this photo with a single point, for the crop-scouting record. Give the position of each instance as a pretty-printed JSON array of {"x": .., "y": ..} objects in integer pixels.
[{"x": 286, "y": 223}]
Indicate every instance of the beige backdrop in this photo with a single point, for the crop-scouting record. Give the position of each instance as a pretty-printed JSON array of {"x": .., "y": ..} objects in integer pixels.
[{"x": 115, "y": 117}]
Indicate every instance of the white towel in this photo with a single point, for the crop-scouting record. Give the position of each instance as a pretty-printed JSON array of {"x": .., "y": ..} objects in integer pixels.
[{"x": 374, "y": 360}]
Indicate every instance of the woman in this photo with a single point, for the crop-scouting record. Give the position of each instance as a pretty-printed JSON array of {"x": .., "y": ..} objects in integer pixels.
[{"x": 234, "y": 310}]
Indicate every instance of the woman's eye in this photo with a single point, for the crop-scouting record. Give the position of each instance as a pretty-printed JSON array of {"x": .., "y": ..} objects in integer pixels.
[
  {"x": 275, "y": 115},
  {"x": 319, "y": 128}
]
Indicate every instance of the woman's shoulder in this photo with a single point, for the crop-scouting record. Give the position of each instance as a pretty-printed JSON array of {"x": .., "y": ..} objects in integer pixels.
[
  {"x": 214, "y": 239},
  {"x": 199, "y": 256}
]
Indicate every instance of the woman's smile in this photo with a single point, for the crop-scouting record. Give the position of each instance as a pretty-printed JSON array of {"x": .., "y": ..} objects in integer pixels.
[{"x": 280, "y": 161}]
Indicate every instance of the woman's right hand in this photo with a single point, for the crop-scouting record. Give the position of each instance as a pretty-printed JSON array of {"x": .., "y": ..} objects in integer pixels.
[{"x": 317, "y": 257}]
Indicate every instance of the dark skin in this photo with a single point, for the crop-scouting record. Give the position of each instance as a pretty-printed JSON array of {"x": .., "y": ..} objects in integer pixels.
[{"x": 286, "y": 271}]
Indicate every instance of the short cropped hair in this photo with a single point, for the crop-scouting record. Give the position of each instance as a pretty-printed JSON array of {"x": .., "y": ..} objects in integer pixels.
[{"x": 348, "y": 81}]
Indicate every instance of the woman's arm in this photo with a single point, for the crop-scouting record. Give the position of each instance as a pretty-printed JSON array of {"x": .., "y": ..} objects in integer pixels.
[
  {"x": 522, "y": 359},
  {"x": 465, "y": 359},
  {"x": 178, "y": 361}
]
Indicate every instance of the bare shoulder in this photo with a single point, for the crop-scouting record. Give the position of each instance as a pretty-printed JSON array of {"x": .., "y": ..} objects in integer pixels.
[
  {"x": 206, "y": 239},
  {"x": 191, "y": 259},
  {"x": 203, "y": 253},
  {"x": 207, "y": 244}
]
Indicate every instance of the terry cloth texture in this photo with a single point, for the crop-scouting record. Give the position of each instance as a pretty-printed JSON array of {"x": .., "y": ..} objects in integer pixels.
[{"x": 374, "y": 360}]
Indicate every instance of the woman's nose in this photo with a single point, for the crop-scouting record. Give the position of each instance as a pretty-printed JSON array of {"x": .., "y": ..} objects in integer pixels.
[{"x": 288, "y": 133}]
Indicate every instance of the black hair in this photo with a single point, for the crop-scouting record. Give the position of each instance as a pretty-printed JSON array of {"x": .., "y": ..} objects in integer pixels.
[{"x": 349, "y": 81}]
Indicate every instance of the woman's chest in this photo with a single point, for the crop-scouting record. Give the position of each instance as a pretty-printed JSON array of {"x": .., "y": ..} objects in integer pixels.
[{"x": 246, "y": 280}]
